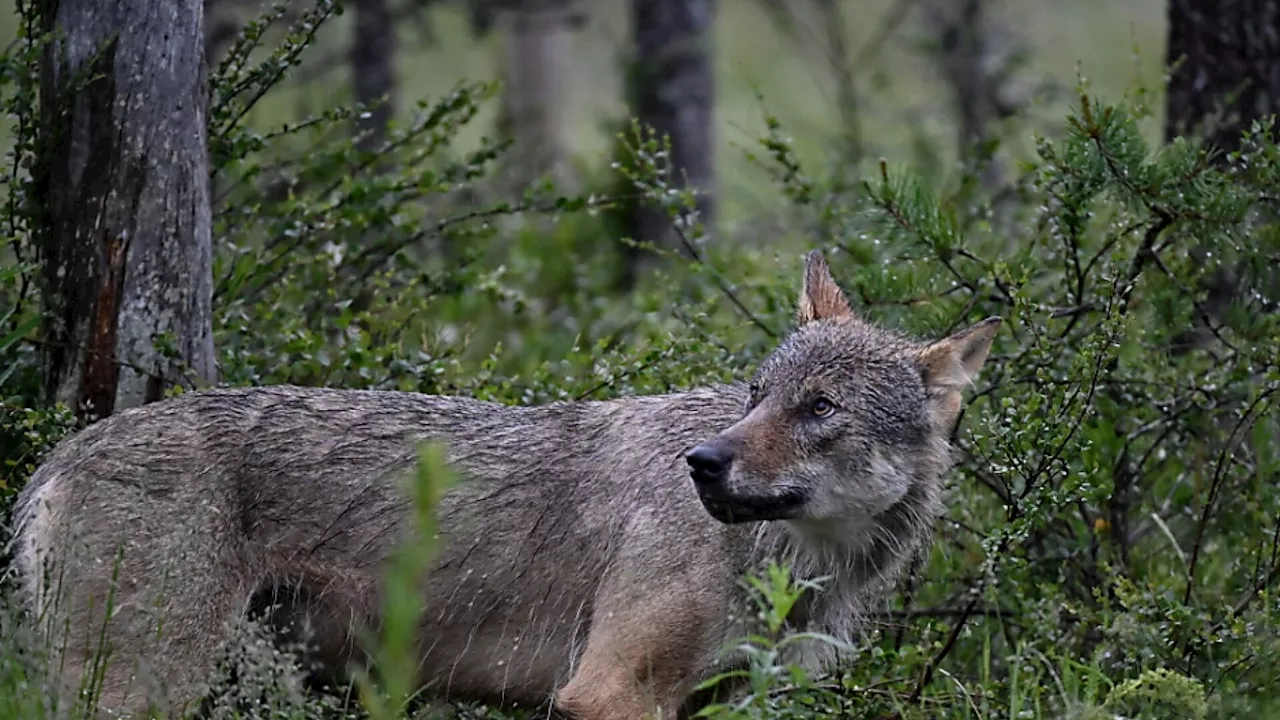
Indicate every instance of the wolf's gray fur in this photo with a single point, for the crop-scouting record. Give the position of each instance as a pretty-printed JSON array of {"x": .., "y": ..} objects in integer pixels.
[{"x": 581, "y": 563}]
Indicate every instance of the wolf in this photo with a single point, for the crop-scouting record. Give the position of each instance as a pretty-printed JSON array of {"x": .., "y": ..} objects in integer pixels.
[{"x": 591, "y": 556}]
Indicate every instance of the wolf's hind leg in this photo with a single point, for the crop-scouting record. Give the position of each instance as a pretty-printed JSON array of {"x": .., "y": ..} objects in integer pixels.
[
  {"x": 145, "y": 653},
  {"x": 134, "y": 612}
]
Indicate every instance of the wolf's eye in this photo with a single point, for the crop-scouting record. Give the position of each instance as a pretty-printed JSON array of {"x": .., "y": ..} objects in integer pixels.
[{"x": 822, "y": 407}]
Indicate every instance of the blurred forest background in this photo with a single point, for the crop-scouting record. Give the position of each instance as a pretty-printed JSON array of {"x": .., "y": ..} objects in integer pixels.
[
  {"x": 873, "y": 77},
  {"x": 536, "y": 200},
  {"x": 880, "y": 74}
]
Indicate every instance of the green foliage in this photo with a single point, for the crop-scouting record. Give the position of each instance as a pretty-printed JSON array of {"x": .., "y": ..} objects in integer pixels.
[
  {"x": 1113, "y": 503},
  {"x": 26, "y": 435},
  {"x": 774, "y": 688},
  {"x": 28, "y": 427},
  {"x": 1115, "y": 506},
  {"x": 1158, "y": 695},
  {"x": 396, "y": 664}
]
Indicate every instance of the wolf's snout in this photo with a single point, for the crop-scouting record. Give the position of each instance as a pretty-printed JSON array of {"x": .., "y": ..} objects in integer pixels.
[{"x": 709, "y": 463}]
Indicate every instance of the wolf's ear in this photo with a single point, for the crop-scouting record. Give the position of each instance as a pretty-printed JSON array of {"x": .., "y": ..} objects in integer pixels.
[
  {"x": 820, "y": 298},
  {"x": 954, "y": 362},
  {"x": 950, "y": 364}
]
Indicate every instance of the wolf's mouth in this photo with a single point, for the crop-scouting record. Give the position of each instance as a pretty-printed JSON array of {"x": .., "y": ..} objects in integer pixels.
[{"x": 730, "y": 509}]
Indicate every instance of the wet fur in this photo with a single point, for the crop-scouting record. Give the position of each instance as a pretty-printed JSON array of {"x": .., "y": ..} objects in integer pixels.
[{"x": 579, "y": 562}]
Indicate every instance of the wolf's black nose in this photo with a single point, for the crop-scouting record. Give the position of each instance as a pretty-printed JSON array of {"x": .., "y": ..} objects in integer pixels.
[{"x": 709, "y": 462}]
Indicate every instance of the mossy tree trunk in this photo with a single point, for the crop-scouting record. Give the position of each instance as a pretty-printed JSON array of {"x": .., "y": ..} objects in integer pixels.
[{"x": 123, "y": 168}]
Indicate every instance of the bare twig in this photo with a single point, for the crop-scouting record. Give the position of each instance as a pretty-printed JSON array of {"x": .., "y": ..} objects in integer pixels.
[
  {"x": 1215, "y": 486},
  {"x": 183, "y": 380},
  {"x": 720, "y": 283}
]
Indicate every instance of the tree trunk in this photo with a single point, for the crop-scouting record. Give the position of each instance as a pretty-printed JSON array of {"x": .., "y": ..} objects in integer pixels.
[
  {"x": 535, "y": 102},
  {"x": 974, "y": 57},
  {"x": 125, "y": 247},
  {"x": 674, "y": 88},
  {"x": 1227, "y": 57},
  {"x": 222, "y": 22},
  {"x": 831, "y": 13},
  {"x": 373, "y": 68}
]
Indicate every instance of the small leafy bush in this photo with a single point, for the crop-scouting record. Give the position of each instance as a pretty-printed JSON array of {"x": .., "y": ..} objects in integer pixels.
[{"x": 1158, "y": 695}]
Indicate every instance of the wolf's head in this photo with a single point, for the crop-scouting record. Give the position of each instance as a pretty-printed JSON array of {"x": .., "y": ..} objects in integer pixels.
[{"x": 845, "y": 422}]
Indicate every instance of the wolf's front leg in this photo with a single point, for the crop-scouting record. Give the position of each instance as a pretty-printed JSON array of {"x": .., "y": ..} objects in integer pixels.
[{"x": 644, "y": 651}]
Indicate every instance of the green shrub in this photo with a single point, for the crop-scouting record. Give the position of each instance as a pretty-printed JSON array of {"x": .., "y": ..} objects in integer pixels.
[{"x": 1158, "y": 695}]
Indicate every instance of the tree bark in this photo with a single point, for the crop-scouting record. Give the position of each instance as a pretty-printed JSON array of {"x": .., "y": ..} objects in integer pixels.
[
  {"x": 373, "y": 69},
  {"x": 535, "y": 102},
  {"x": 674, "y": 88},
  {"x": 125, "y": 245},
  {"x": 1229, "y": 71}
]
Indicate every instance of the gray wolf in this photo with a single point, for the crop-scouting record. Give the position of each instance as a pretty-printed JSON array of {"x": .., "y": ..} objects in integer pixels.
[{"x": 593, "y": 551}]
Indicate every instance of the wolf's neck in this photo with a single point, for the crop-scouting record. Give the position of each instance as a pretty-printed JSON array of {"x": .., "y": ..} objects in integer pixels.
[
  {"x": 845, "y": 576},
  {"x": 852, "y": 566}
]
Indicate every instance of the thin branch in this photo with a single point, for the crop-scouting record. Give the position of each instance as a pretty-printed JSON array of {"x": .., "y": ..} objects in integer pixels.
[
  {"x": 720, "y": 283},
  {"x": 183, "y": 380},
  {"x": 927, "y": 675},
  {"x": 1219, "y": 476}
]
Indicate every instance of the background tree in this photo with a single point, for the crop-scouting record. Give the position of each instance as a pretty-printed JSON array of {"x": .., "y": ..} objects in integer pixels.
[
  {"x": 122, "y": 166},
  {"x": 673, "y": 92},
  {"x": 372, "y": 57},
  {"x": 975, "y": 54},
  {"x": 220, "y": 27},
  {"x": 1225, "y": 56},
  {"x": 832, "y": 51},
  {"x": 1225, "y": 61},
  {"x": 536, "y": 65}
]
